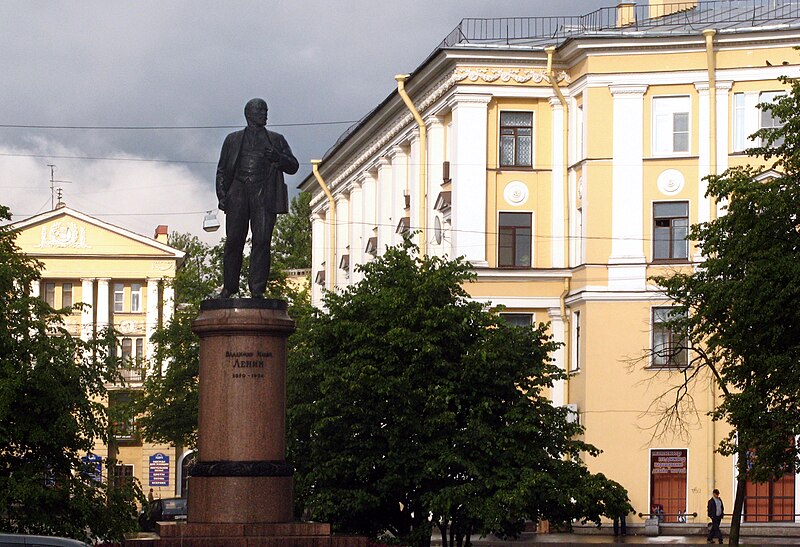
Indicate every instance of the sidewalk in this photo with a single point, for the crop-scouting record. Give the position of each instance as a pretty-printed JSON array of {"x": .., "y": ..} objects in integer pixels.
[
  {"x": 679, "y": 534},
  {"x": 584, "y": 539}
]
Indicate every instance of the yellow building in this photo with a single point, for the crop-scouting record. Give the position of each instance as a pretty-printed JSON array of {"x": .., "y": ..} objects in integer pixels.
[
  {"x": 564, "y": 158},
  {"x": 125, "y": 280}
]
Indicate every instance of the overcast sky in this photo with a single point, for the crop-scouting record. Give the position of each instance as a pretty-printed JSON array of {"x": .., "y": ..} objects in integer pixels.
[{"x": 165, "y": 63}]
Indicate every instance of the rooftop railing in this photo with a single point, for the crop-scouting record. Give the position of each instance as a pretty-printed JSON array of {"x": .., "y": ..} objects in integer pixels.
[{"x": 674, "y": 18}]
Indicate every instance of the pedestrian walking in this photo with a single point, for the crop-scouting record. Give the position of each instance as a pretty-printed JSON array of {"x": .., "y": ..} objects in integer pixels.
[{"x": 716, "y": 510}]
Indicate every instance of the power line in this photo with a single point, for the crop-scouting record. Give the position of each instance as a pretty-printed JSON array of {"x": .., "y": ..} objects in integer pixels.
[
  {"x": 163, "y": 127},
  {"x": 100, "y": 158}
]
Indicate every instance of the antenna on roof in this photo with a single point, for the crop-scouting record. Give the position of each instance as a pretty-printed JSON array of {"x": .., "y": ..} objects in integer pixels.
[{"x": 53, "y": 186}]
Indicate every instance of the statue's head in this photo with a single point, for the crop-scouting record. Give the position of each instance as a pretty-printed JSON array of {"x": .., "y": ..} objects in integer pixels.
[{"x": 255, "y": 112}]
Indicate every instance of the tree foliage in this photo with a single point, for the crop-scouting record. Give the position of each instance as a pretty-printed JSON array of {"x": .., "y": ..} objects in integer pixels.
[
  {"x": 52, "y": 388},
  {"x": 409, "y": 400},
  {"x": 740, "y": 305},
  {"x": 292, "y": 243},
  {"x": 168, "y": 411}
]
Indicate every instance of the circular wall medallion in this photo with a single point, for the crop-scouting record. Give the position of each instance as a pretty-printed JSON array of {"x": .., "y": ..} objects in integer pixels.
[
  {"x": 516, "y": 193},
  {"x": 437, "y": 230},
  {"x": 127, "y": 326},
  {"x": 670, "y": 182}
]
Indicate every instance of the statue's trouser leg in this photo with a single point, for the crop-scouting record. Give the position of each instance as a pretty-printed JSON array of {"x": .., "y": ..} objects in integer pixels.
[
  {"x": 262, "y": 224},
  {"x": 237, "y": 220}
]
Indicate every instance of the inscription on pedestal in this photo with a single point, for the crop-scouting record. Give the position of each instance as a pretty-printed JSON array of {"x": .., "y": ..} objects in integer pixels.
[{"x": 247, "y": 364}]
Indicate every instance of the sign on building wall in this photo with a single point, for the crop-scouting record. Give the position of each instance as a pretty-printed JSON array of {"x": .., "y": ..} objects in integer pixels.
[
  {"x": 159, "y": 469},
  {"x": 668, "y": 484},
  {"x": 93, "y": 466}
]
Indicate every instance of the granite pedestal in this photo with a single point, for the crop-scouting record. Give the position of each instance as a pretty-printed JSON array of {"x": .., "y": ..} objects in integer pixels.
[{"x": 240, "y": 489}]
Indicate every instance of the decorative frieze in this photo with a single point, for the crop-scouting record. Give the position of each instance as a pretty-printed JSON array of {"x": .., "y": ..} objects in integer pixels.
[{"x": 506, "y": 75}]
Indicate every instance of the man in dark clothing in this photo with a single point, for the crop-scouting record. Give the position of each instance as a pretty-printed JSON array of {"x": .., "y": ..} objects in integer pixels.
[
  {"x": 252, "y": 192},
  {"x": 716, "y": 510}
]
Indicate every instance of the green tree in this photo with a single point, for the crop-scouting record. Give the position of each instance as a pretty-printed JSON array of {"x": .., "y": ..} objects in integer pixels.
[
  {"x": 739, "y": 307},
  {"x": 291, "y": 245},
  {"x": 52, "y": 388},
  {"x": 168, "y": 409},
  {"x": 409, "y": 400}
]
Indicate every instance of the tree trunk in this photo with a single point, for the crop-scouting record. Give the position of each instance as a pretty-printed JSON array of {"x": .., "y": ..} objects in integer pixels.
[
  {"x": 443, "y": 531},
  {"x": 738, "y": 503}
]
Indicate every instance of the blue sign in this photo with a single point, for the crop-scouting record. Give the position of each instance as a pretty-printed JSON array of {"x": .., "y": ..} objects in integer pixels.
[
  {"x": 93, "y": 466},
  {"x": 159, "y": 469}
]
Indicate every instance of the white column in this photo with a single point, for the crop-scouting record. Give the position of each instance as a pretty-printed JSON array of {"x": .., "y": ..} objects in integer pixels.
[
  {"x": 557, "y": 186},
  {"x": 468, "y": 171},
  {"x": 436, "y": 157},
  {"x": 167, "y": 302},
  {"x": 35, "y": 289},
  {"x": 151, "y": 315},
  {"x": 87, "y": 313},
  {"x": 723, "y": 129},
  {"x": 342, "y": 201},
  {"x": 627, "y": 268},
  {"x": 357, "y": 228},
  {"x": 317, "y": 256},
  {"x": 384, "y": 201},
  {"x": 399, "y": 158},
  {"x": 412, "y": 187},
  {"x": 704, "y": 151},
  {"x": 559, "y": 355},
  {"x": 103, "y": 313}
]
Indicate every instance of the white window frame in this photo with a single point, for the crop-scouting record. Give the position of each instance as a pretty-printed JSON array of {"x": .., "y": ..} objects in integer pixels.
[
  {"x": 532, "y": 264},
  {"x": 119, "y": 297},
  {"x": 664, "y": 108},
  {"x": 686, "y": 258},
  {"x": 576, "y": 341},
  {"x": 532, "y": 316},
  {"x": 136, "y": 297},
  {"x": 768, "y": 97},
  {"x": 652, "y": 362},
  {"x": 516, "y": 165}
]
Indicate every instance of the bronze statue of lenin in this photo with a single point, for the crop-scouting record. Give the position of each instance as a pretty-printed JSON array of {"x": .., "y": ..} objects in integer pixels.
[{"x": 252, "y": 192}]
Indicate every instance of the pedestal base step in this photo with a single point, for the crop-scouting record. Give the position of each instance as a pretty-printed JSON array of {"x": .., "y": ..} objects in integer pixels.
[{"x": 285, "y": 534}]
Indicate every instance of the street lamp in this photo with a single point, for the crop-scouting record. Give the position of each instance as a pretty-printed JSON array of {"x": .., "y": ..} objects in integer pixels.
[{"x": 210, "y": 222}]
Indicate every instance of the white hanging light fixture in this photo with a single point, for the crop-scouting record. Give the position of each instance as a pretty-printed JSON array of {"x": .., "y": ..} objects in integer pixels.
[{"x": 210, "y": 222}]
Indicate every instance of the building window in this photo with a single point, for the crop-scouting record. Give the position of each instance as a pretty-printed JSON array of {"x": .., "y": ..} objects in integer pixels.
[
  {"x": 123, "y": 424},
  {"x": 514, "y": 241},
  {"x": 671, "y": 125},
  {"x": 119, "y": 296},
  {"x": 669, "y": 346},
  {"x": 767, "y": 120},
  {"x": 576, "y": 351},
  {"x": 123, "y": 474},
  {"x": 136, "y": 298},
  {"x": 132, "y": 350},
  {"x": 670, "y": 230},
  {"x": 66, "y": 295},
  {"x": 516, "y": 139},
  {"x": 50, "y": 294},
  {"x": 518, "y": 319}
]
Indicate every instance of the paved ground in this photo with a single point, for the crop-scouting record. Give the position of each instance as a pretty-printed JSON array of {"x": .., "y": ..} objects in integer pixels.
[{"x": 584, "y": 539}]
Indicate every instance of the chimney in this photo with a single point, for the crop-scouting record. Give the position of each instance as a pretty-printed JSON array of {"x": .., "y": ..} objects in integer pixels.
[
  {"x": 162, "y": 233},
  {"x": 626, "y": 14},
  {"x": 660, "y": 8}
]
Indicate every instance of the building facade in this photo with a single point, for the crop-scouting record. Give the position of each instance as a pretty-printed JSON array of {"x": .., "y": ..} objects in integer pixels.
[
  {"x": 125, "y": 280},
  {"x": 564, "y": 158}
]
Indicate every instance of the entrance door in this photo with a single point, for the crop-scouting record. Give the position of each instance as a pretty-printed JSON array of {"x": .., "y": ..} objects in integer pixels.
[
  {"x": 771, "y": 501},
  {"x": 668, "y": 483}
]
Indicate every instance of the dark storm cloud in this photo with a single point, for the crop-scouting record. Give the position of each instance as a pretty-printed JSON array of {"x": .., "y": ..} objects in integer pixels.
[{"x": 182, "y": 63}]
